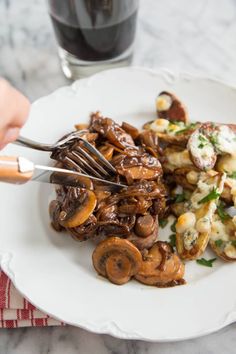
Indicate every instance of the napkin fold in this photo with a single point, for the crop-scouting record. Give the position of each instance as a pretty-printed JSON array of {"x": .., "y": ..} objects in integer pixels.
[{"x": 15, "y": 311}]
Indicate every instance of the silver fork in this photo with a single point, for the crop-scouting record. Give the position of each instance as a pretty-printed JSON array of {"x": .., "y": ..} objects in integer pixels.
[{"x": 79, "y": 158}]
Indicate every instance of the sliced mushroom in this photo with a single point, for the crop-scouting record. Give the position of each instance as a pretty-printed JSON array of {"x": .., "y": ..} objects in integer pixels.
[
  {"x": 144, "y": 167},
  {"x": 144, "y": 225},
  {"x": 223, "y": 238},
  {"x": 201, "y": 151},
  {"x": 149, "y": 141},
  {"x": 117, "y": 259},
  {"x": 79, "y": 211},
  {"x": 193, "y": 227},
  {"x": 54, "y": 212},
  {"x": 147, "y": 242},
  {"x": 111, "y": 130},
  {"x": 81, "y": 126},
  {"x": 134, "y": 205},
  {"x": 71, "y": 180},
  {"x": 161, "y": 267},
  {"x": 86, "y": 230},
  {"x": 130, "y": 129},
  {"x": 143, "y": 243},
  {"x": 107, "y": 151}
]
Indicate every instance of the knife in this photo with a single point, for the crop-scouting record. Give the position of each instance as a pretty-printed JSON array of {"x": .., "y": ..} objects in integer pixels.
[{"x": 19, "y": 170}]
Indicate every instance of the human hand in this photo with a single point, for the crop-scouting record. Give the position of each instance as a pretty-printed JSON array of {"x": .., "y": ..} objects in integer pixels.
[{"x": 14, "y": 110}]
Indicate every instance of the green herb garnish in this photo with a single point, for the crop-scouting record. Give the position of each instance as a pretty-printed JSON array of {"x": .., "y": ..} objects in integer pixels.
[
  {"x": 233, "y": 175},
  {"x": 214, "y": 194},
  {"x": 203, "y": 141},
  {"x": 222, "y": 213},
  {"x": 179, "y": 198},
  {"x": 187, "y": 128},
  {"x": 214, "y": 140},
  {"x": 206, "y": 262},
  {"x": 163, "y": 223},
  {"x": 201, "y": 146},
  {"x": 219, "y": 243},
  {"x": 202, "y": 138},
  {"x": 173, "y": 228},
  {"x": 172, "y": 241},
  {"x": 233, "y": 243}
]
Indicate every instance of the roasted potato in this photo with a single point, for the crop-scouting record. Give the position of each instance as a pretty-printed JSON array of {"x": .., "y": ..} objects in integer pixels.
[
  {"x": 169, "y": 107},
  {"x": 193, "y": 228},
  {"x": 175, "y": 158},
  {"x": 223, "y": 238}
]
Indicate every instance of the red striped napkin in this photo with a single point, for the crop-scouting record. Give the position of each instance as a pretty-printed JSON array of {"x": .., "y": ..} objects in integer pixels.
[{"x": 15, "y": 311}]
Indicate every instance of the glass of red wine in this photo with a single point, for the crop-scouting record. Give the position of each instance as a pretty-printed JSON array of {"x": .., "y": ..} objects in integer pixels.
[{"x": 93, "y": 35}]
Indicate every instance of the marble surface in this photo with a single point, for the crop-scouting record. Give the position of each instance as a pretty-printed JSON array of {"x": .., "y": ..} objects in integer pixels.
[{"x": 194, "y": 36}]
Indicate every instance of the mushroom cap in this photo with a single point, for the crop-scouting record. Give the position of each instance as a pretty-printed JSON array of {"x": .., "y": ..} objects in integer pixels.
[
  {"x": 116, "y": 259},
  {"x": 54, "y": 212},
  {"x": 144, "y": 225},
  {"x": 130, "y": 129},
  {"x": 111, "y": 130},
  {"x": 77, "y": 215},
  {"x": 161, "y": 267}
]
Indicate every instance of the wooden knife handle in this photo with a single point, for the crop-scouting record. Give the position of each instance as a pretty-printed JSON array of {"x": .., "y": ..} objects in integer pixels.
[{"x": 11, "y": 172}]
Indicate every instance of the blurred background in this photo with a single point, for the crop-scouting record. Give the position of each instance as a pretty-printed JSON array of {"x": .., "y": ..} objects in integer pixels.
[{"x": 194, "y": 36}]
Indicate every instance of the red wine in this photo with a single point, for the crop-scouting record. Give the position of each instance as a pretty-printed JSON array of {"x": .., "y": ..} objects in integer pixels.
[
  {"x": 97, "y": 32},
  {"x": 96, "y": 44}
]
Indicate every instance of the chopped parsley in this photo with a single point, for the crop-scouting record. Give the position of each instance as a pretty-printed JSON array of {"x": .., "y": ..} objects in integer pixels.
[
  {"x": 219, "y": 243},
  {"x": 163, "y": 223},
  {"x": 201, "y": 146},
  {"x": 214, "y": 194},
  {"x": 206, "y": 262},
  {"x": 233, "y": 175},
  {"x": 222, "y": 213},
  {"x": 187, "y": 128},
  {"x": 173, "y": 228},
  {"x": 179, "y": 198},
  {"x": 214, "y": 140},
  {"x": 172, "y": 241},
  {"x": 233, "y": 243},
  {"x": 203, "y": 141}
]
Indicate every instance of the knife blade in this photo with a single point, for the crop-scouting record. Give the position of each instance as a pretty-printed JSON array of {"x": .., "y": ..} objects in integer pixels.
[{"x": 20, "y": 170}]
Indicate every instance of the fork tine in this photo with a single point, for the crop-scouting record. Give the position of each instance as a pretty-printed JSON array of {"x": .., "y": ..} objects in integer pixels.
[
  {"x": 74, "y": 164},
  {"x": 92, "y": 160},
  {"x": 100, "y": 157},
  {"x": 80, "y": 160}
]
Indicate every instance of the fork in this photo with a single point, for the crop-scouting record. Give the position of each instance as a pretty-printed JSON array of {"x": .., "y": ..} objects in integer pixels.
[{"x": 78, "y": 158}]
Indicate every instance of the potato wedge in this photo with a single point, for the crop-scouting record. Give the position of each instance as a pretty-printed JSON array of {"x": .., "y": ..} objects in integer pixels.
[
  {"x": 176, "y": 158},
  {"x": 223, "y": 238},
  {"x": 187, "y": 177},
  {"x": 209, "y": 141},
  {"x": 201, "y": 151},
  {"x": 193, "y": 228},
  {"x": 172, "y": 133},
  {"x": 179, "y": 208},
  {"x": 169, "y": 107}
]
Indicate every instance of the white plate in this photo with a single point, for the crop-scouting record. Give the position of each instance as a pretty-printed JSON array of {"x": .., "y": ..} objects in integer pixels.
[{"x": 55, "y": 272}]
